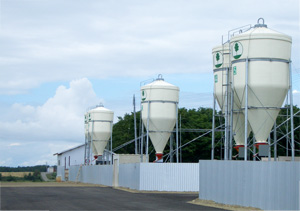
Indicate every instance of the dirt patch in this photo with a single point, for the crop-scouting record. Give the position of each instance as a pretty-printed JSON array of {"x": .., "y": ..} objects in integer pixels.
[
  {"x": 144, "y": 191},
  {"x": 47, "y": 184},
  {"x": 221, "y": 206}
]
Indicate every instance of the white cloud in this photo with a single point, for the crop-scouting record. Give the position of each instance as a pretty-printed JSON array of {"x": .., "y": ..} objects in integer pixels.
[
  {"x": 65, "y": 40},
  {"x": 38, "y": 129},
  {"x": 14, "y": 144},
  {"x": 296, "y": 91},
  {"x": 59, "y": 118}
]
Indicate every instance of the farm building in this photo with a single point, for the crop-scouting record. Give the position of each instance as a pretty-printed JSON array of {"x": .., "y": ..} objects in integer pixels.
[{"x": 69, "y": 157}]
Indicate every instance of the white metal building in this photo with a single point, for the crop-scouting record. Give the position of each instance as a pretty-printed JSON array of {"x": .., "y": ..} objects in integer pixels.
[{"x": 71, "y": 157}]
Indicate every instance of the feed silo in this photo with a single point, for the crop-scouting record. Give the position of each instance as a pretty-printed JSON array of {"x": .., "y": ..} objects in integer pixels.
[
  {"x": 221, "y": 64},
  {"x": 220, "y": 67},
  {"x": 100, "y": 128},
  {"x": 159, "y": 112},
  {"x": 260, "y": 66}
]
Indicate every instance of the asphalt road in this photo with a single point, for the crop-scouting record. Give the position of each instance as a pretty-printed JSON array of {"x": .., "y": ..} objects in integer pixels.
[{"x": 92, "y": 198}]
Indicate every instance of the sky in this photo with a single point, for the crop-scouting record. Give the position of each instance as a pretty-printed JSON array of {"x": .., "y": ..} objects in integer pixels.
[{"x": 60, "y": 57}]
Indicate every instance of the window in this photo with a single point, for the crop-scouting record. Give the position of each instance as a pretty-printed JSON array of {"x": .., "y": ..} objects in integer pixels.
[{"x": 69, "y": 161}]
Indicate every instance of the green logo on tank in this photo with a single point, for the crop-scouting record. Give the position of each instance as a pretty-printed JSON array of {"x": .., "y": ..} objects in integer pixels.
[
  {"x": 234, "y": 70},
  {"x": 216, "y": 78},
  {"x": 218, "y": 59},
  {"x": 144, "y": 95},
  {"x": 237, "y": 50}
]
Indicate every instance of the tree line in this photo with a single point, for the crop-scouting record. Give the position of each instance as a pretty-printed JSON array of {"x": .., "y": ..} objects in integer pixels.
[
  {"x": 201, "y": 118},
  {"x": 40, "y": 168}
]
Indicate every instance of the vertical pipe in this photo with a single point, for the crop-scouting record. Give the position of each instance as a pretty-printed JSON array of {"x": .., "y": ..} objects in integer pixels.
[
  {"x": 147, "y": 143},
  {"x": 142, "y": 134},
  {"x": 111, "y": 152},
  {"x": 171, "y": 148},
  {"x": 287, "y": 125},
  {"x": 292, "y": 114},
  {"x": 246, "y": 110},
  {"x": 85, "y": 145},
  {"x": 213, "y": 131},
  {"x": 254, "y": 150},
  {"x": 142, "y": 141},
  {"x": 135, "y": 132},
  {"x": 177, "y": 154},
  {"x": 91, "y": 144},
  {"x": 275, "y": 141},
  {"x": 180, "y": 138},
  {"x": 269, "y": 151},
  {"x": 226, "y": 116},
  {"x": 231, "y": 116}
]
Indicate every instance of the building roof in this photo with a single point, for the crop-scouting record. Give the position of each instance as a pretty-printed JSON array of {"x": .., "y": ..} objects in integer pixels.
[{"x": 59, "y": 153}]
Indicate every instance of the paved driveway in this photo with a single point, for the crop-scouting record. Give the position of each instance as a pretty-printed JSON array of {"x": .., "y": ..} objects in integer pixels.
[
  {"x": 44, "y": 177},
  {"x": 92, "y": 198}
]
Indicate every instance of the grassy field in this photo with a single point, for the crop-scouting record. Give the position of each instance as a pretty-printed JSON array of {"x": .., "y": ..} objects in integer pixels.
[{"x": 15, "y": 174}]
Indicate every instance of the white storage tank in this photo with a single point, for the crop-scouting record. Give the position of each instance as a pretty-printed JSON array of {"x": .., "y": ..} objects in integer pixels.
[
  {"x": 269, "y": 53},
  {"x": 221, "y": 62},
  {"x": 220, "y": 66},
  {"x": 100, "y": 128},
  {"x": 162, "y": 97}
]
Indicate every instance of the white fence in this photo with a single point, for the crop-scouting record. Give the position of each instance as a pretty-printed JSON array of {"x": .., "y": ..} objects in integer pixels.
[
  {"x": 264, "y": 185},
  {"x": 129, "y": 175},
  {"x": 96, "y": 174},
  {"x": 61, "y": 172},
  {"x": 160, "y": 176}
]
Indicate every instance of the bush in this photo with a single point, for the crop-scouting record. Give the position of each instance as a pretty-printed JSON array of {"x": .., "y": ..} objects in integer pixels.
[
  {"x": 11, "y": 178},
  {"x": 35, "y": 177}
]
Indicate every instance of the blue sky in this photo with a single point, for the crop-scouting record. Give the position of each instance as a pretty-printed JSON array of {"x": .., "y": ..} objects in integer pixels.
[{"x": 58, "y": 58}]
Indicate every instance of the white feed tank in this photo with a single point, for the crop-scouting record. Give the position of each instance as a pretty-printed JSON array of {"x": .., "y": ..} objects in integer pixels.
[
  {"x": 220, "y": 66},
  {"x": 100, "y": 128},
  {"x": 221, "y": 62},
  {"x": 162, "y": 97},
  {"x": 269, "y": 53}
]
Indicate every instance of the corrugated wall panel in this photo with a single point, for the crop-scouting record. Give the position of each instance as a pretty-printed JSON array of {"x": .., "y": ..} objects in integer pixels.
[
  {"x": 265, "y": 185},
  {"x": 169, "y": 176},
  {"x": 95, "y": 174},
  {"x": 73, "y": 171},
  {"x": 61, "y": 172},
  {"x": 129, "y": 175}
]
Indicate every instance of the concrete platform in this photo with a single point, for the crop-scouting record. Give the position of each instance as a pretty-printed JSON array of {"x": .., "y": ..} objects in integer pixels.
[{"x": 73, "y": 197}]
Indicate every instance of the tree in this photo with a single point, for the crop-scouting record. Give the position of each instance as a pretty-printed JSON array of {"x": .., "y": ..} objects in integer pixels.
[
  {"x": 236, "y": 47},
  {"x": 218, "y": 57}
]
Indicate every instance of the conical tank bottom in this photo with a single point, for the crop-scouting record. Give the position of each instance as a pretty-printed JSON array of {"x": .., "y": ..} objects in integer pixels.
[
  {"x": 266, "y": 100},
  {"x": 99, "y": 146},
  {"x": 262, "y": 121},
  {"x": 239, "y": 128},
  {"x": 160, "y": 141},
  {"x": 161, "y": 128}
]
